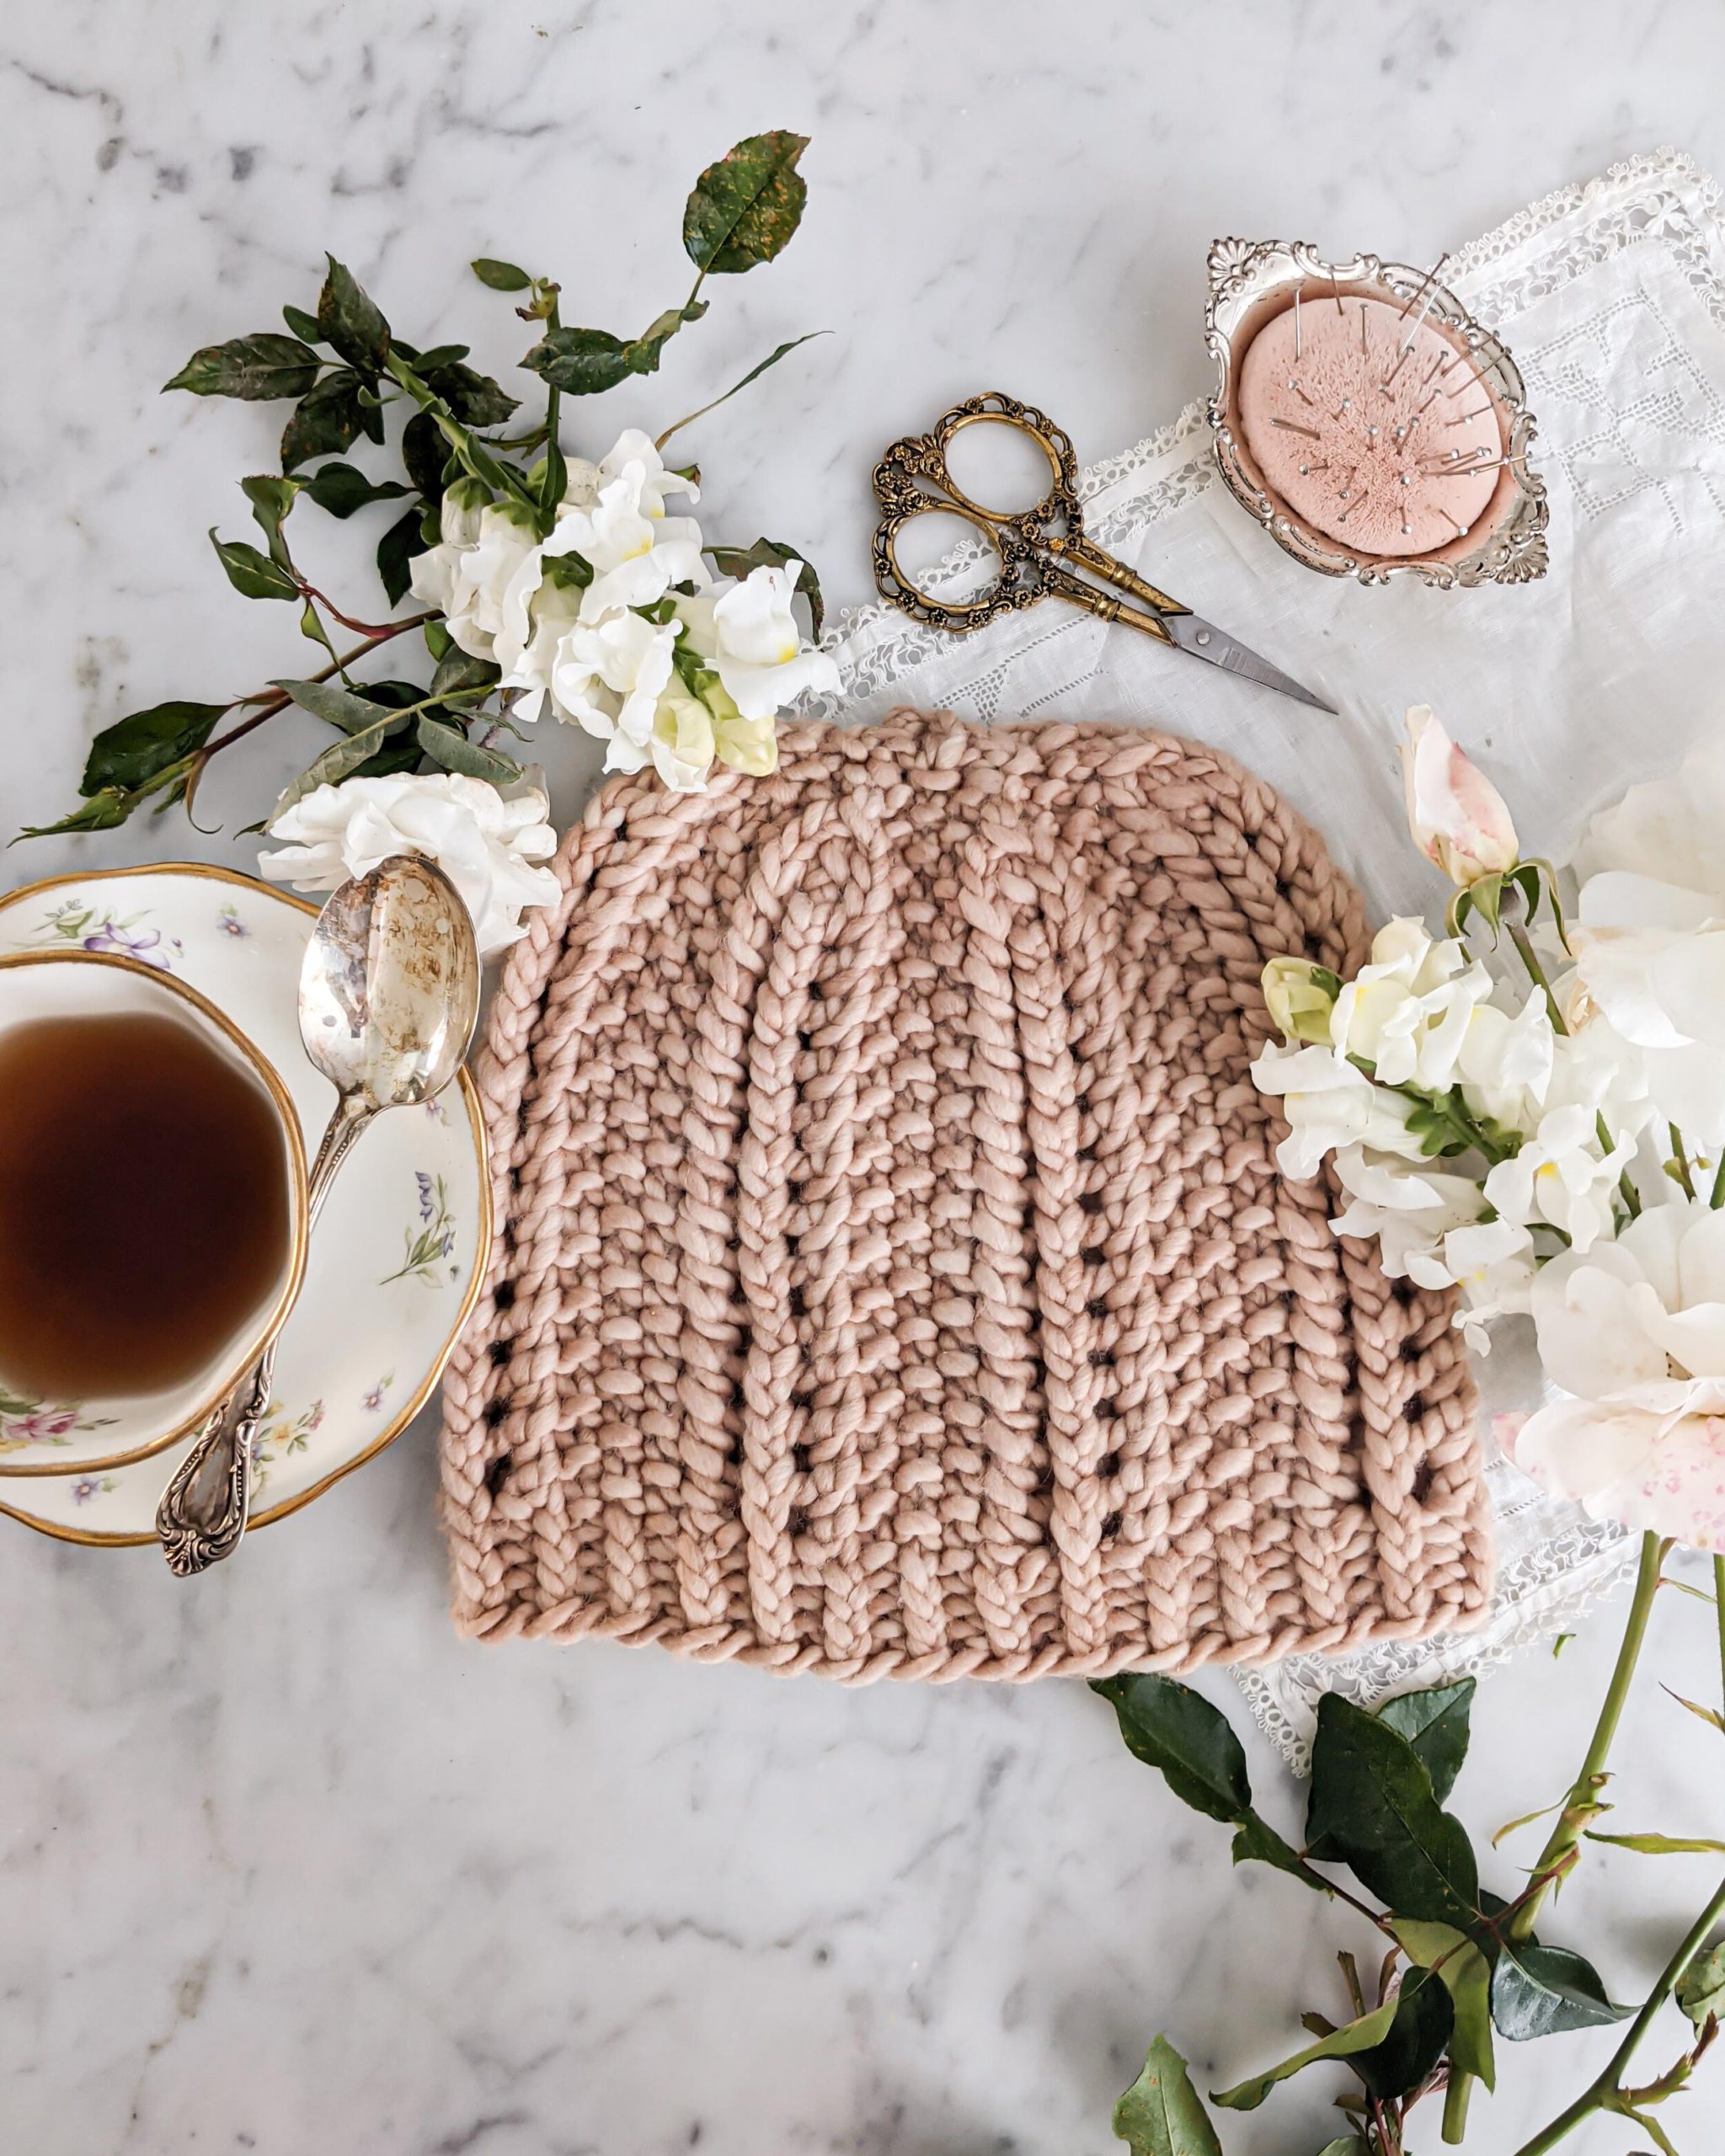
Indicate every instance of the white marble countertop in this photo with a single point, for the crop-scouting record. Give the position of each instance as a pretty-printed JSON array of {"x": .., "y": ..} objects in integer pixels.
[{"x": 283, "y": 1864}]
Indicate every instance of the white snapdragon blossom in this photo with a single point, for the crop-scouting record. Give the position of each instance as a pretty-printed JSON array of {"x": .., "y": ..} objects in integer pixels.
[
  {"x": 1561, "y": 1178},
  {"x": 467, "y": 575},
  {"x": 635, "y": 551},
  {"x": 1410, "y": 1210},
  {"x": 1326, "y": 1104},
  {"x": 487, "y": 845},
  {"x": 1649, "y": 936},
  {"x": 608, "y": 676},
  {"x": 748, "y": 635},
  {"x": 1633, "y": 1332},
  {"x": 1407, "y": 1011}
]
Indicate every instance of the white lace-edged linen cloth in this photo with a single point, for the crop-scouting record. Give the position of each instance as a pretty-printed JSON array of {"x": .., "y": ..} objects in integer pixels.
[{"x": 1611, "y": 296}]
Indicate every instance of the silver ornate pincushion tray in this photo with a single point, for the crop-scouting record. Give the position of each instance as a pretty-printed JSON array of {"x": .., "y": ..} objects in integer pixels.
[{"x": 1367, "y": 421}]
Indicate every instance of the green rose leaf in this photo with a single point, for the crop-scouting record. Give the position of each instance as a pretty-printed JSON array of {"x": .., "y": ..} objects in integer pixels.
[
  {"x": 475, "y": 398},
  {"x": 1466, "y": 1975},
  {"x": 1257, "y": 1843},
  {"x": 137, "y": 747},
  {"x": 1423, "y": 2026},
  {"x": 1700, "y": 1989},
  {"x": 501, "y": 276},
  {"x": 1435, "y": 1723},
  {"x": 396, "y": 550},
  {"x": 341, "y": 708},
  {"x": 772, "y": 554},
  {"x": 452, "y": 751},
  {"x": 584, "y": 362},
  {"x": 425, "y": 453},
  {"x": 102, "y": 813},
  {"x": 1540, "y": 1991},
  {"x": 257, "y": 368},
  {"x": 459, "y": 669},
  {"x": 1161, "y": 2114},
  {"x": 342, "y": 488},
  {"x": 350, "y": 322},
  {"x": 1172, "y": 1727},
  {"x": 1372, "y": 1807},
  {"x": 744, "y": 208},
  {"x": 1360, "y": 2036},
  {"x": 327, "y": 419},
  {"x": 303, "y": 325},
  {"x": 271, "y": 499},
  {"x": 251, "y": 572}
]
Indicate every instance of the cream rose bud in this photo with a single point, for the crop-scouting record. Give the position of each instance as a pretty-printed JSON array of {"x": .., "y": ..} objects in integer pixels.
[
  {"x": 1457, "y": 816},
  {"x": 1301, "y": 997}
]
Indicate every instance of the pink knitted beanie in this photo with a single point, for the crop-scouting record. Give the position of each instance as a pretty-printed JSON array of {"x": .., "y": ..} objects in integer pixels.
[{"x": 893, "y": 1275}]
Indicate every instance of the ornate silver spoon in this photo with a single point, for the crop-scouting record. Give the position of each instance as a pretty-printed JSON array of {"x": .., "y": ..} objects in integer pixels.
[{"x": 389, "y": 997}]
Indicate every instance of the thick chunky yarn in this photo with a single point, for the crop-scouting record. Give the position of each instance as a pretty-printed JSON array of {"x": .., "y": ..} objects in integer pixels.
[{"x": 894, "y": 1277}]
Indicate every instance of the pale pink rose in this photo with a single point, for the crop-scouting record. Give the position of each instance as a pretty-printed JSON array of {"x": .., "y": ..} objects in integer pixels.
[{"x": 1457, "y": 816}]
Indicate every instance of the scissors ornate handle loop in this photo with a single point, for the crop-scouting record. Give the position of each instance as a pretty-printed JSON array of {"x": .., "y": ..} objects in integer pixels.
[{"x": 1040, "y": 548}]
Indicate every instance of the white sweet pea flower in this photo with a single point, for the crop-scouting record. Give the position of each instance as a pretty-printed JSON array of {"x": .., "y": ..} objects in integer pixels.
[
  {"x": 1649, "y": 936},
  {"x": 1407, "y": 1011},
  {"x": 1633, "y": 1332},
  {"x": 467, "y": 574},
  {"x": 1492, "y": 1262},
  {"x": 657, "y": 480},
  {"x": 1411, "y": 1211},
  {"x": 1505, "y": 1064},
  {"x": 485, "y": 843},
  {"x": 1327, "y": 1103},
  {"x": 1456, "y": 815},
  {"x": 1561, "y": 1178},
  {"x": 750, "y": 635},
  {"x": 635, "y": 551},
  {"x": 608, "y": 676}
]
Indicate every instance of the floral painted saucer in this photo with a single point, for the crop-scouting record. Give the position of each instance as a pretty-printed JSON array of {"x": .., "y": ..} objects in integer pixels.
[{"x": 398, "y": 1255}]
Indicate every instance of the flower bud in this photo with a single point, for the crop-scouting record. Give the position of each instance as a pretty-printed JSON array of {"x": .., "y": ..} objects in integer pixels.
[
  {"x": 1457, "y": 816},
  {"x": 1301, "y": 997}
]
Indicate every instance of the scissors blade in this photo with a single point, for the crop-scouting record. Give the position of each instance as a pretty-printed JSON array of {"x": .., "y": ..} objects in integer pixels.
[{"x": 1204, "y": 640}]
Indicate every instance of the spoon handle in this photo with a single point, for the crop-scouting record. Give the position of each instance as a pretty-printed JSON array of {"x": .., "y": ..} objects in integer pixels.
[{"x": 193, "y": 1535}]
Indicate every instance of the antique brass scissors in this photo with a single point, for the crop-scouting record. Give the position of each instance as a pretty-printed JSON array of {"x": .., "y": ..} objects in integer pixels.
[{"x": 1040, "y": 548}]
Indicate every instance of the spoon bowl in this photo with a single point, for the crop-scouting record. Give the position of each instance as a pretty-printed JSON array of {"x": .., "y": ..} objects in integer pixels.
[{"x": 389, "y": 990}]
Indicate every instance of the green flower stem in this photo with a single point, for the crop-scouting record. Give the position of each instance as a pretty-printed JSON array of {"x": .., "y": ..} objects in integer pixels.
[
  {"x": 1565, "y": 1841},
  {"x": 1610, "y": 2084},
  {"x": 1536, "y": 973}
]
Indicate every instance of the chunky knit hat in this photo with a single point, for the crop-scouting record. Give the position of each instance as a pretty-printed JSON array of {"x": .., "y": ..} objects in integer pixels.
[{"x": 893, "y": 1276}]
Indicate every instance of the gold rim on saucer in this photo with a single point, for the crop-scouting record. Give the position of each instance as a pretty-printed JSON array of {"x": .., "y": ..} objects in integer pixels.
[
  {"x": 286, "y": 1115},
  {"x": 428, "y": 1385}
]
